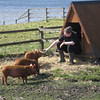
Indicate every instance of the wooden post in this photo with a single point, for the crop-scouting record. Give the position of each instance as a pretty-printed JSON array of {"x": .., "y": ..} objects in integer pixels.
[
  {"x": 41, "y": 42},
  {"x": 46, "y": 15},
  {"x": 63, "y": 14},
  {"x": 28, "y": 15},
  {"x": 4, "y": 23},
  {"x": 16, "y": 21},
  {"x": 82, "y": 42}
]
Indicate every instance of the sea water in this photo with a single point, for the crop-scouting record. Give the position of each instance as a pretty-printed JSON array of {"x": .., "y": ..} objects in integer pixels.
[{"x": 13, "y": 9}]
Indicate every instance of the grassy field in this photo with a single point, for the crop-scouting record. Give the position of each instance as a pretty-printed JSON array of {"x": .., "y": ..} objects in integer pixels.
[
  {"x": 56, "y": 81},
  {"x": 50, "y": 23},
  {"x": 24, "y": 36}
]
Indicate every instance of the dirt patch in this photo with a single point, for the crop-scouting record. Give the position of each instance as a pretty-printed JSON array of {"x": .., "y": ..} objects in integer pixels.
[{"x": 50, "y": 63}]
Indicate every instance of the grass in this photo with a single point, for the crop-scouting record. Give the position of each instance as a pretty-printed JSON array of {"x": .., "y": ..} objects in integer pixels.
[
  {"x": 44, "y": 87},
  {"x": 53, "y": 85},
  {"x": 91, "y": 74},
  {"x": 35, "y": 24},
  {"x": 24, "y": 36}
]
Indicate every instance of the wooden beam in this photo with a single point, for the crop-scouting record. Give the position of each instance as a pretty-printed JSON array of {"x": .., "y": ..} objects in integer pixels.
[
  {"x": 15, "y": 43},
  {"x": 16, "y": 31}
]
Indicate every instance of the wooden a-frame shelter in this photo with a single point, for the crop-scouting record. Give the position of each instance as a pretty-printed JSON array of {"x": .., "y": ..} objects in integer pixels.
[{"x": 84, "y": 17}]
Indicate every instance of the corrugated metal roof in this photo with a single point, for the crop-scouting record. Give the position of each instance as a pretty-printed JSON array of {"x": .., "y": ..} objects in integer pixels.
[{"x": 89, "y": 15}]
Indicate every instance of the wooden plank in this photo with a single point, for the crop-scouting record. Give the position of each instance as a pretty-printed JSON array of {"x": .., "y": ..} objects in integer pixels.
[
  {"x": 37, "y": 17},
  {"x": 15, "y": 31},
  {"x": 46, "y": 14},
  {"x": 51, "y": 30},
  {"x": 22, "y": 17},
  {"x": 55, "y": 12},
  {"x": 15, "y": 43},
  {"x": 49, "y": 39},
  {"x": 38, "y": 13},
  {"x": 54, "y": 17}
]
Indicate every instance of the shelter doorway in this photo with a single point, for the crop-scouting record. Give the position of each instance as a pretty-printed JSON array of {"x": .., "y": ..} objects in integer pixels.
[{"x": 76, "y": 27}]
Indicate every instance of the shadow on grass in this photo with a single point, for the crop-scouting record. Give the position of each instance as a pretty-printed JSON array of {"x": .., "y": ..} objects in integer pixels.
[
  {"x": 37, "y": 82},
  {"x": 42, "y": 78}
]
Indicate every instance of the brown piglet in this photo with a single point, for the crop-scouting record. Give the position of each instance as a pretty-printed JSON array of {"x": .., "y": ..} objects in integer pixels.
[
  {"x": 33, "y": 55},
  {"x": 17, "y": 71},
  {"x": 23, "y": 61}
]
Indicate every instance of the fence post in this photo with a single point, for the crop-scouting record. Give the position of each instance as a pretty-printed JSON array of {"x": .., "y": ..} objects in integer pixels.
[
  {"x": 4, "y": 23},
  {"x": 16, "y": 21},
  {"x": 63, "y": 14},
  {"x": 28, "y": 15},
  {"x": 46, "y": 15},
  {"x": 41, "y": 42}
]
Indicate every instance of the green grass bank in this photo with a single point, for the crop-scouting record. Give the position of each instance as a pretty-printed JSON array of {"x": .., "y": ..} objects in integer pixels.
[
  {"x": 57, "y": 84},
  {"x": 24, "y": 36}
]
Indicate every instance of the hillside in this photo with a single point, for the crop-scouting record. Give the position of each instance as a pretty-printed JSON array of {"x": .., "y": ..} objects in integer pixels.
[{"x": 56, "y": 81}]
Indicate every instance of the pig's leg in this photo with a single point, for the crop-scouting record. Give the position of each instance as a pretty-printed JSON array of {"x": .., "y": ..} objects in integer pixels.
[
  {"x": 5, "y": 80},
  {"x": 26, "y": 79},
  {"x": 23, "y": 79},
  {"x": 2, "y": 78}
]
